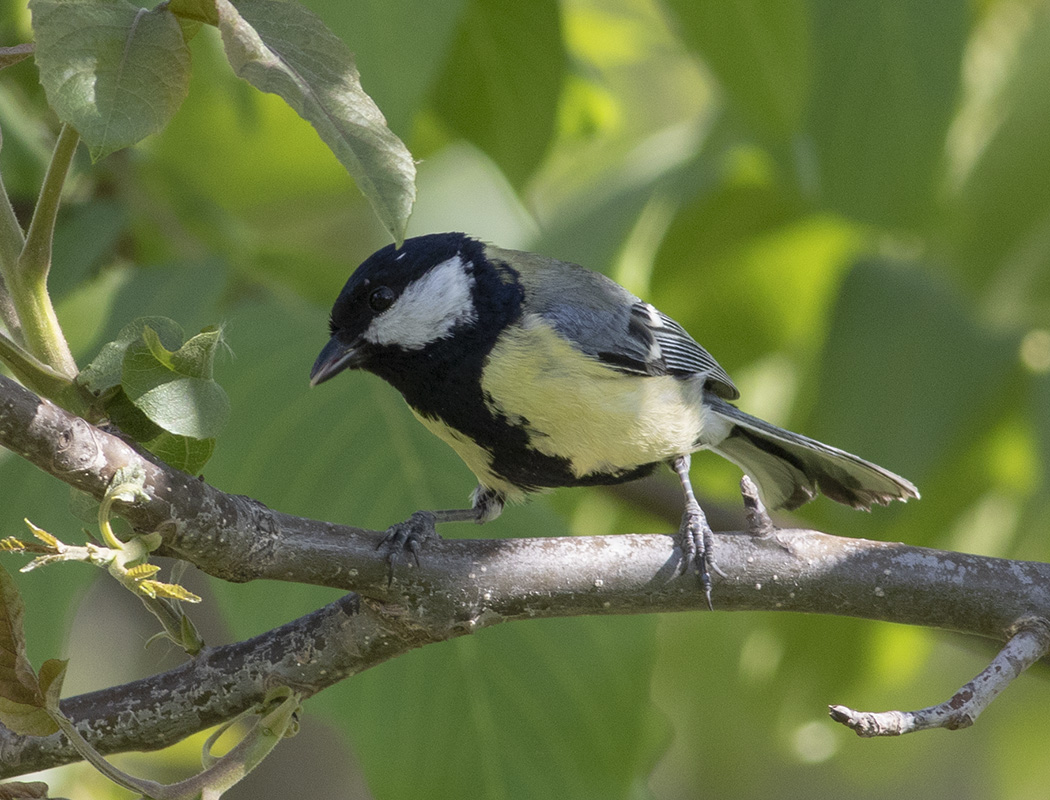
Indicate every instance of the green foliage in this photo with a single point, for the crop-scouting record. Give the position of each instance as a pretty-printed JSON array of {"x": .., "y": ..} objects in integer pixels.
[
  {"x": 896, "y": 338},
  {"x": 113, "y": 70},
  {"x": 160, "y": 389},
  {"x": 998, "y": 214},
  {"x": 844, "y": 202},
  {"x": 26, "y": 697},
  {"x": 880, "y": 112},
  {"x": 174, "y": 388},
  {"x": 511, "y": 691},
  {"x": 117, "y": 73},
  {"x": 29, "y": 706},
  {"x": 280, "y": 47},
  {"x": 760, "y": 51},
  {"x": 400, "y": 46},
  {"x": 500, "y": 89}
]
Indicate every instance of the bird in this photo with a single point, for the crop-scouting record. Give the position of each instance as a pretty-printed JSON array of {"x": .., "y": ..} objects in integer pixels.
[{"x": 543, "y": 374}]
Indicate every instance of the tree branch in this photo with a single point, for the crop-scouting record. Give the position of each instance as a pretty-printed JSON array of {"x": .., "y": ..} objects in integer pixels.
[
  {"x": 1029, "y": 643},
  {"x": 462, "y": 585},
  {"x": 307, "y": 654}
]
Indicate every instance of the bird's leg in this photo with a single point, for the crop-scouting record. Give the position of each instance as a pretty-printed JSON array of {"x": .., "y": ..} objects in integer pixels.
[
  {"x": 697, "y": 537},
  {"x": 410, "y": 536}
]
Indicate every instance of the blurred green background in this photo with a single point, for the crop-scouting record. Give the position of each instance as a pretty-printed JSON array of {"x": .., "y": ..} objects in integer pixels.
[{"x": 848, "y": 204}]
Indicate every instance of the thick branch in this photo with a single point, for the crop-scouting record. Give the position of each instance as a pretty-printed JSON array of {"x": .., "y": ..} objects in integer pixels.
[
  {"x": 308, "y": 654},
  {"x": 462, "y": 585},
  {"x": 239, "y": 539}
]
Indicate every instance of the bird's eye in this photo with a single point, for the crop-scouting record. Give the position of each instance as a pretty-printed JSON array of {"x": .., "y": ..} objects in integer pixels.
[{"x": 380, "y": 299}]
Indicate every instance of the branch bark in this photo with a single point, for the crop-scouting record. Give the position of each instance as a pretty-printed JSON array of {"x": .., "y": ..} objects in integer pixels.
[
  {"x": 1029, "y": 643},
  {"x": 459, "y": 586}
]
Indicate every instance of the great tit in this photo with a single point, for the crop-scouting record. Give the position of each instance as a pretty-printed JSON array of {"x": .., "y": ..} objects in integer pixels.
[{"x": 541, "y": 374}]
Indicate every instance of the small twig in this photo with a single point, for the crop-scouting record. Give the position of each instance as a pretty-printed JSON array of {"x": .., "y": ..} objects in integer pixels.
[
  {"x": 125, "y": 561},
  {"x": 1030, "y": 642},
  {"x": 759, "y": 522},
  {"x": 9, "y": 56}
]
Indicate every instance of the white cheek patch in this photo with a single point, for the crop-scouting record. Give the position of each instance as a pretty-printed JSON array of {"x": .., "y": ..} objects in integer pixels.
[{"x": 428, "y": 309}]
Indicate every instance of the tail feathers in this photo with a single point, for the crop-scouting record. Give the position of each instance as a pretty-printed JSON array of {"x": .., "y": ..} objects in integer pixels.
[{"x": 790, "y": 468}]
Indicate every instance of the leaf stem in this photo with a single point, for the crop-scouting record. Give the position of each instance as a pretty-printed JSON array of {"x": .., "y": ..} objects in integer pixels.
[
  {"x": 27, "y": 278},
  {"x": 12, "y": 240},
  {"x": 43, "y": 379},
  {"x": 95, "y": 759},
  {"x": 278, "y": 718}
]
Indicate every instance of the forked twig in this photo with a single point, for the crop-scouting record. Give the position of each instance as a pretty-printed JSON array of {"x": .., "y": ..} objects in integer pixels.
[{"x": 1029, "y": 642}]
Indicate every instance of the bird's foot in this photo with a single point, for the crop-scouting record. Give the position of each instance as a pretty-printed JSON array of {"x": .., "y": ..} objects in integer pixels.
[
  {"x": 408, "y": 537},
  {"x": 698, "y": 548}
]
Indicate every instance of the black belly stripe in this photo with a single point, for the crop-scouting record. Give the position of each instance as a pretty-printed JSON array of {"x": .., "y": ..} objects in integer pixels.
[{"x": 531, "y": 469}]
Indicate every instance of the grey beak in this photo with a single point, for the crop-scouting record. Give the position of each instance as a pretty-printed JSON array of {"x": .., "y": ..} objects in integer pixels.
[{"x": 333, "y": 359}]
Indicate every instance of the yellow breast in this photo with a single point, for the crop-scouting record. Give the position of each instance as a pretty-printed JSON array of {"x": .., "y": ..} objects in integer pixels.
[{"x": 575, "y": 407}]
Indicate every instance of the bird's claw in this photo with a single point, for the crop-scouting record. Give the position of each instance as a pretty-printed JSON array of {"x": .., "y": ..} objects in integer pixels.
[
  {"x": 698, "y": 548},
  {"x": 408, "y": 537}
]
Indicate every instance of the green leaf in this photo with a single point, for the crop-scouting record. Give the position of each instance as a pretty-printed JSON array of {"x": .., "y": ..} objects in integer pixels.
[
  {"x": 105, "y": 369},
  {"x": 282, "y": 48},
  {"x": 130, "y": 418},
  {"x": 52, "y": 673},
  {"x": 114, "y": 71},
  {"x": 171, "y": 389},
  {"x": 1000, "y": 200},
  {"x": 26, "y": 719},
  {"x": 885, "y": 82},
  {"x": 196, "y": 357},
  {"x": 184, "y": 406},
  {"x": 552, "y": 708},
  {"x": 503, "y": 80},
  {"x": 159, "y": 390},
  {"x": 199, "y": 10},
  {"x": 890, "y": 386},
  {"x": 760, "y": 52},
  {"x": 400, "y": 47},
  {"x": 21, "y": 697},
  {"x": 182, "y": 452},
  {"x": 156, "y": 348}
]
